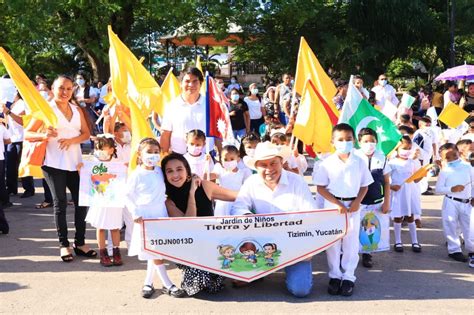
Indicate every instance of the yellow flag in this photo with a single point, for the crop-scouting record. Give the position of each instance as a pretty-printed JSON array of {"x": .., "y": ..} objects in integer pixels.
[
  {"x": 199, "y": 66},
  {"x": 308, "y": 66},
  {"x": 170, "y": 89},
  {"x": 453, "y": 115},
  {"x": 38, "y": 106},
  {"x": 140, "y": 129},
  {"x": 130, "y": 79},
  {"x": 420, "y": 173},
  {"x": 315, "y": 120}
]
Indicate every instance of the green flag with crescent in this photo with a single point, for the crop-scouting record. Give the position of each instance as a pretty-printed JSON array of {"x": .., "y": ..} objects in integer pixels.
[{"x": 358, "y": 113}]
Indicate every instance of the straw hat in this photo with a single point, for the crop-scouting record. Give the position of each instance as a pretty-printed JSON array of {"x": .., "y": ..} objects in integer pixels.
[{"x": 267, "y": 150}]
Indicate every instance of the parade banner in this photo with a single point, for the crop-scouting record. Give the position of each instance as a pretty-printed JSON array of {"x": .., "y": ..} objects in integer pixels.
[
  {"x": 374, "y": 234},
  {"x": 244, "y": 247},
  {"x": 102, "y": 184}
]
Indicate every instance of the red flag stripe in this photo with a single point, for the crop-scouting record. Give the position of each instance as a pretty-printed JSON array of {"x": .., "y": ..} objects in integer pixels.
[{"x": 332, "y": 116}]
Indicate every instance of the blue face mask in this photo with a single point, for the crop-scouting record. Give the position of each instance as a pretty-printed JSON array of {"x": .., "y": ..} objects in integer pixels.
[
  {"x": 454, "y": 163},
  {"x": 343, "y": 147},
  {"x": 80, "y": 82},
  {"x": 235, "y": 97}
]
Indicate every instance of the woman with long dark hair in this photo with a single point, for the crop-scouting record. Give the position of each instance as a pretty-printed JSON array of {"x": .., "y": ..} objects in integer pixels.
[{"x": 191, "y": 197}]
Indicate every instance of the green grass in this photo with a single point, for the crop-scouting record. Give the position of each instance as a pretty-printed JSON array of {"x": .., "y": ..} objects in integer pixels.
[{"x": 240, "y": 264}]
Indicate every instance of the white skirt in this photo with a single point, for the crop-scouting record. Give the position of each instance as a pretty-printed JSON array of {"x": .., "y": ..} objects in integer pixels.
[
  {"x": 105, "y": 218},
  {"x": 136, "y": 245}
]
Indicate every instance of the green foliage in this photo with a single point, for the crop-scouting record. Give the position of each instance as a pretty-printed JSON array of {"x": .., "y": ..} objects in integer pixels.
[{"x": 359, "y": 36}]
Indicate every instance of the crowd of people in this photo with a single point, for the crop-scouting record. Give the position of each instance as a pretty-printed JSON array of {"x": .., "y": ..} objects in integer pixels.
[{"x": 182, "y": 172}]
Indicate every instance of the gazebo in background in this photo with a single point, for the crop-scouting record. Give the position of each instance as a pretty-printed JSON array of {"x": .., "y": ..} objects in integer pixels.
[{"x": 184, "y": 36}]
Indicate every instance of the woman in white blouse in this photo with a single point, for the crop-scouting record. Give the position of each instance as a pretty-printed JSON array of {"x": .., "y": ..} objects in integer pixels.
[
  {"x": 60, "y": 166},
  {"x": 256, "y": 109}
]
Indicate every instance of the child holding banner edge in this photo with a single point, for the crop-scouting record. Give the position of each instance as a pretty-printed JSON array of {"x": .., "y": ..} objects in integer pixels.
[
  {"x": 146, "y": 200},
  {"x": 378, "y": 194},
  {"x": 343, "y": 180}
]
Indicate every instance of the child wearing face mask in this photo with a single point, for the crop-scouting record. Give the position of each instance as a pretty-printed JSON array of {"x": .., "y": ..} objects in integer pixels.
[
  {"x": 146, "y": 200},
  {"x": 343, "y": 180},
  {"x": 466, "y": 151},
  {"x": 198, "y": 160},
  {"x": 229, "y": 176},
  {"x": 455, "y": 181},
  {"x": 106, "y": 218},
  {"x": 122, "y": 141},
  {"x": 247, "y": 148},
  {"x": 123, "y": 138},
  {"x": 378, "y": 195},
  {"x": 405, "y": 198},
  {"x": 280, "y": 139}
]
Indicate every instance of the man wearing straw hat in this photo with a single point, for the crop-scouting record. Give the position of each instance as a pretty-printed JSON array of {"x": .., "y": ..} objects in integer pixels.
[{"x": 274, "y": 190}]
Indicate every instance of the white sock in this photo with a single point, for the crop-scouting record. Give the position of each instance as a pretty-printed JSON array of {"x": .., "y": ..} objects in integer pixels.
[
  {"x": 397, "y": 230},
  {"x": 150, "y": 271},
  {"x": 417, "y": 217},
  {"x": 161, "y": 270},
  {"x": 412, "y": 227}
]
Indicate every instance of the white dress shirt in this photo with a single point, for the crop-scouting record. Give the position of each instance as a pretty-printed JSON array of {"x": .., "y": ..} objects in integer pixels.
[
  {"x": 384, "y": 94},
  {"x": 291, "y": 194},
  {"x": 461, "y": 174},
  {"x": 180, "y": 118},
  {"x": 343, "y": 179}
]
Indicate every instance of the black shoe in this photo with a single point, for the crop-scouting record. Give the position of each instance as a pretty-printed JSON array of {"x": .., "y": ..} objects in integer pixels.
[
  {"x": 458, "y": 257},
  {"x": 430, "y": 188},
  {"x": 174, "y": 291},
  {"x": 27, "y": 194},
  {"x": 347, "y": 288},
  {"x": 428, "y": 193},
  {"x": 147, "y": 291},
  {"x": 334, "y": 287},
  {"x": 367, "y": 260},
  {"x": 416, "y": 247},
  {"x": 398, "y": 247},
  {"x": 12, "y": 193}
]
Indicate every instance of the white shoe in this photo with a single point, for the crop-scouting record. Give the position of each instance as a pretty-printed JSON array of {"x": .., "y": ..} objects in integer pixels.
[{"x": 471, "y": 260}]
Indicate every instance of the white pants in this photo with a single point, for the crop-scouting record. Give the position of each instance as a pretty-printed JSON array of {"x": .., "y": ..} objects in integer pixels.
[
  {"x": 349, "y": 246},
  {"x": 457, "y": 214}
]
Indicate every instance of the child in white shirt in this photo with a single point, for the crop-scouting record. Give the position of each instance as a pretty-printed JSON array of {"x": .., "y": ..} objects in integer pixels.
[
  {"x": 455, "y": 181},
  {"x": 343, "y": 180}
]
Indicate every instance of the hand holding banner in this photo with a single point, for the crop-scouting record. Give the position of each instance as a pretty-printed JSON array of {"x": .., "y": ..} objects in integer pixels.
[{"x": 244, "y": 247}]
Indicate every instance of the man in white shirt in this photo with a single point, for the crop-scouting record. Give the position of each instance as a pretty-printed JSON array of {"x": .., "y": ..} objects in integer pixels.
[
  {"x": 384, "y": 92},
  {"x": 185, "y": 113},
  {"x": 274, "y": 190},
  {"x": 14, "y": 149}
]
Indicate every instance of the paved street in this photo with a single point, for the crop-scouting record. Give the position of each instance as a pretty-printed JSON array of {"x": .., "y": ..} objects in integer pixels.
[{"x": 34, "y": 280}]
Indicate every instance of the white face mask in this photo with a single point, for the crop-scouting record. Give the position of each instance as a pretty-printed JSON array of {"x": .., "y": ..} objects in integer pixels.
[
  {"x": 44, "y": 94},
  {"x": 150, "y": 159},
  {"x": 220, "y": 85},
  {"x": 102, "y": 155},
  {"x": 254, "y": 91},
  {"x": 382, "y": 82},
  {"x": 404, "y": 153},
  {"x": 80, "y": 82},
  {"x": 126, "y": 137},
  {"x": 232, "y": 81},
  {"x": 194, "y": 150},
  {"x": 250, "y": 152},
  {"x": 368, "y": 147},
  {"x": 229, "y": 165}
]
